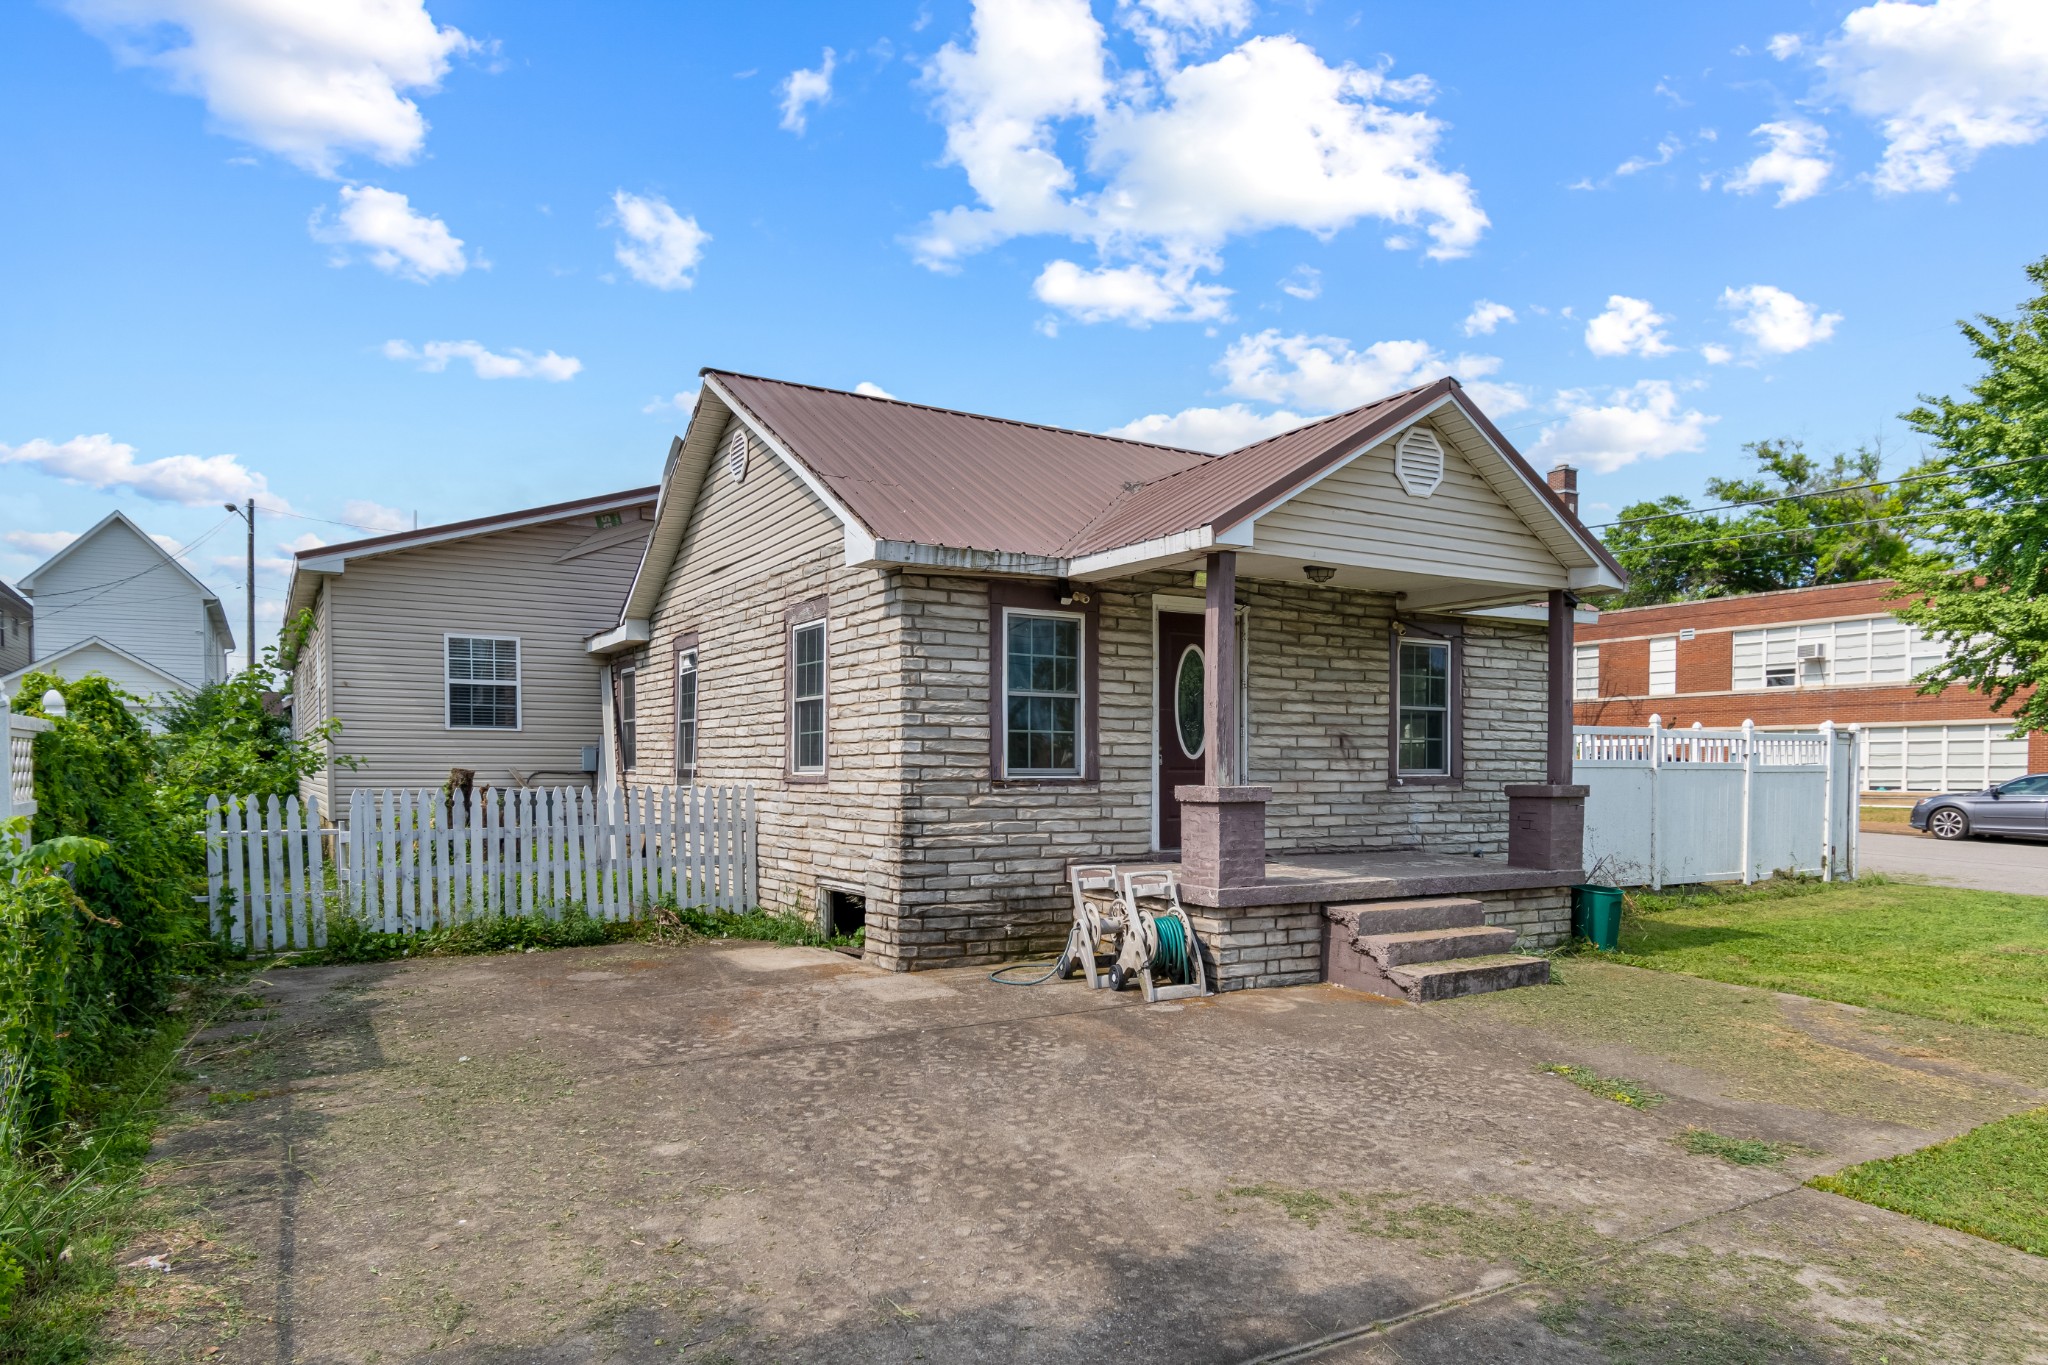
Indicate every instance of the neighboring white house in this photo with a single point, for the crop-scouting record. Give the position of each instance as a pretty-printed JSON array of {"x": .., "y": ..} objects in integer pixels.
[
  {"x": 462, "y": 646},
  {"x": 115, "y": 602},
  {"x": 17, "y": 630}
]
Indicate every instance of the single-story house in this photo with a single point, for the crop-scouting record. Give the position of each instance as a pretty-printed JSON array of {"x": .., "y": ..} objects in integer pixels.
[
  {"x": 117, "y": 603},
  {"x": 955, "y": 654},
  {"x": 461, "y": 646}
]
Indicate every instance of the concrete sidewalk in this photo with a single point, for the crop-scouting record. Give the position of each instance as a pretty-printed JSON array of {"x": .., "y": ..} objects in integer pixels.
[
  {"x": 2014, "y": 865},
  {"x": 747, "y": 1153}
]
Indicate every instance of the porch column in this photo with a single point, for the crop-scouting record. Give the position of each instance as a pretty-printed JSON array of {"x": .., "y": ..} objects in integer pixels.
[
  {"x": 1547, "y": 820},
  {"x": 1560, "y": 751},
  {"x": 1223, "y": 825}
]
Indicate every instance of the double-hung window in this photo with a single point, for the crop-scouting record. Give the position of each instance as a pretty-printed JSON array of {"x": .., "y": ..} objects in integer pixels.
[
  {"x": 1422, "y": 735},
  {"x": 629, "y": 717},
  {"x": 482, "y": 676},
  {"x": 686, "y": 712},
  {"x": 807, "y": 698},
  {"x": 1042, "y": 710}
]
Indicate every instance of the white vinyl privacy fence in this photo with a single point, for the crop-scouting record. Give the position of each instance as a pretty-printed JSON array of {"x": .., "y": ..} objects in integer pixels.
[
  {"x": 1670, "y": 807},
  {"x": 407, "y": 861}
]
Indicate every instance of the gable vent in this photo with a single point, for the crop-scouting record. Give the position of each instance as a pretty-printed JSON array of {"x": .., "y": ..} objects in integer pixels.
[
  {"x": 1419, "y": 462},
  {"x": 736, "y": 454}
]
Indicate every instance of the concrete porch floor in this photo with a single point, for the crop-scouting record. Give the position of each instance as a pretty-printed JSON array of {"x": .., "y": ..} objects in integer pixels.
[{"x": 1367, "y": 875}]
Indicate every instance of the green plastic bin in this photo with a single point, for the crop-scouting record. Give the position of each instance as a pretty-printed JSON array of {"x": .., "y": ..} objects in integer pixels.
[{"x": 1596, "y": 915}]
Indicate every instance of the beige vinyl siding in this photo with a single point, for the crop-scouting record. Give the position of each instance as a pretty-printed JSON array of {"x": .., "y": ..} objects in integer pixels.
[
  {"x": 123, "y": 590},
  {"x": 389, "y": 616},
  {"x": 312, "y": 699},
  {"x": 1361, "y": 516},
  {"x": 753, "y": 549}
]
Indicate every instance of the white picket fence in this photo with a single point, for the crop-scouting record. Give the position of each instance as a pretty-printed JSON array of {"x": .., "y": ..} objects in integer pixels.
[
  {"x": 413, "y": 860},
  {"x": 1672, "y": 807}
]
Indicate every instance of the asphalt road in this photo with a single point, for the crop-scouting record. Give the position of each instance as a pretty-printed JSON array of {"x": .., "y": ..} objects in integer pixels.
[{"x": 1985, "y": 864}]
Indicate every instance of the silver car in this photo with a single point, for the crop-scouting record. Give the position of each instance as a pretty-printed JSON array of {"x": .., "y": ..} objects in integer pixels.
[{"x": 2018, "y": 807}]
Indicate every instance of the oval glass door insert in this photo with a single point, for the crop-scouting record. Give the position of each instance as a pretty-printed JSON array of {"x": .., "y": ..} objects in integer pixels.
[{"x": 1188, "y": 718}]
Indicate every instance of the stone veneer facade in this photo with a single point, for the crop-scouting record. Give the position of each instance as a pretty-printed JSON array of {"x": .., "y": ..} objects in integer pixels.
[{"x": 958, "y": 869}]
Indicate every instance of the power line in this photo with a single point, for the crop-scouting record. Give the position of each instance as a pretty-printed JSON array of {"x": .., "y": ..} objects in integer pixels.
[
  {"x": 327, "y": 521},
  {"x": 1652, "y": 550},
  {"x": 99, "y": 590},
  {"x": 1821, "y": 493}
]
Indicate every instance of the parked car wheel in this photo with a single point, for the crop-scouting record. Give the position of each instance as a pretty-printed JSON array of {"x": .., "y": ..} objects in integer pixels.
[{"x": 1948, "y": 823}]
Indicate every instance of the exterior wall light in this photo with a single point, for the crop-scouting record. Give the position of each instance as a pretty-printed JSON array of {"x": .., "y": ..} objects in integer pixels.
[{"x": 1319, "y": 573}]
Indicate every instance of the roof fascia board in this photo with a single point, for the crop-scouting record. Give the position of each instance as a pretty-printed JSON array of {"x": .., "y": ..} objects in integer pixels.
[
  {"x": 625, "y": 635},
  {"x": 788, "y": 457},
  {"x": 1130, "y": 559},
  {"x": 1533, "y": 611},
  {"x": 334, "y": 559},
  {"x": 46, "y": 660},
  {"x": 672, "y": 513},
  {"x": 863, "y": 551}
]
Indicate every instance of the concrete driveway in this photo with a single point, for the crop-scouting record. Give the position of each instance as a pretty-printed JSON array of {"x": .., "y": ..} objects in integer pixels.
[
  {"x": 714, "y": 1152},
  {"x": 2016, "y": 865}
]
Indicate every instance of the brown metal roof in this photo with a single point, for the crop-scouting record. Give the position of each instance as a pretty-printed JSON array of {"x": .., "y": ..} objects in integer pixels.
[
  {"x": 940, "y": 477},
  {"x": 478, "y": 525},
  {"x": 1231, "y": 487}
]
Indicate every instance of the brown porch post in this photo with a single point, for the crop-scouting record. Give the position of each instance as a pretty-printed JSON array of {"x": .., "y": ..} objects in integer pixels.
[
  {"x": 1560, "y": 753},
  {"x": 1219, "y": 700},
  {"x": 1547, "y": 820},
  {"x": 1222, "y": 825}
]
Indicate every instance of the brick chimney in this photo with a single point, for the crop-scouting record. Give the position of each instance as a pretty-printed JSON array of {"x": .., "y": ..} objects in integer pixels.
[{"x": 1564, "y": 481}]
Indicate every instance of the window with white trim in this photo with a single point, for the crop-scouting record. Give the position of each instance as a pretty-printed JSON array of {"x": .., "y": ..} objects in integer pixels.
[
  {"x": 629, "y": 716},
  {"x": 482, "y": 677},
  {"x": 1585, "y": 672},
  {"x": 1871, "y": 649},
  {"x": 807, "y": 697},
  {"x": 686, "y": 714},
  {"x": 1423, "y": 728},
  {"x": 1664, "y": 666},
  {"x": 1042, "y": 711}
]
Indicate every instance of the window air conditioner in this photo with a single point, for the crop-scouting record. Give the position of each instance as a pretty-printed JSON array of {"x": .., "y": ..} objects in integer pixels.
[{"x": 1816, "y": 650}]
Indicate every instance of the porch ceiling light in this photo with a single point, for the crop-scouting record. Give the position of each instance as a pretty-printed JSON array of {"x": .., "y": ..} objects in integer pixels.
[{"x": 1319, "y": 573}]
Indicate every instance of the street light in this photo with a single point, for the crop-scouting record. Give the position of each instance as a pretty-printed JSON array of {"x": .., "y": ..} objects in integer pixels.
[{"x": 249, "y": 641}]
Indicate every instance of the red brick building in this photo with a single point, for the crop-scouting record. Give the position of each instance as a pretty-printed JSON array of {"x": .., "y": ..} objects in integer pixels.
[{"x": 1790, "y": 660}]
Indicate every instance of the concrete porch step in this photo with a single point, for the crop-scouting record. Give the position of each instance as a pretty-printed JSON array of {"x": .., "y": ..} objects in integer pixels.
[
  {"x": 1468, "y": 976},
  {"x": 1373, "y": 918},
  {"x": 1435, "y": 945}
]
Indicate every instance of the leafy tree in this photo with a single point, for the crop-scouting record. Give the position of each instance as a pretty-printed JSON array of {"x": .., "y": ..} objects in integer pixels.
[
  {"x": 1979, "y": 587},
  {"x": 1830, "y": 524},
  {"x": 235, "y": 737}
]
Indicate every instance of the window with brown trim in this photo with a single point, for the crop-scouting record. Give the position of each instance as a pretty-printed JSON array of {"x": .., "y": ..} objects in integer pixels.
[
  {"x": 1425, "y": 720},
  {"x": 1042, "y": 683},
  {"x": 807, "y": 674}
]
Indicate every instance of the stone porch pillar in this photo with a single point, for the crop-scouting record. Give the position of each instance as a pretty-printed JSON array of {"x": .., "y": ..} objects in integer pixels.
[{"x": 1223, "y": 823}]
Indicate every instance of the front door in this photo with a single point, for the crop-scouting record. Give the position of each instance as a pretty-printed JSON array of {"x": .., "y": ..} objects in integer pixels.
[{"x": 1181, "y": 721}]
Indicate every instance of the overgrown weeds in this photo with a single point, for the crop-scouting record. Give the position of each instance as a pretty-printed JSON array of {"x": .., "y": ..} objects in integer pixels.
[
  {"x": 571, "y": 926},
  {"x": 1738, "y": 1151}
]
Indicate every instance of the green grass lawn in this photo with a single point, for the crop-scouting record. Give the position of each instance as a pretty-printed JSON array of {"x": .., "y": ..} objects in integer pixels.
[
  {"x": 1972, "y": 957},
  {"x": 1992, "y": 1181}
]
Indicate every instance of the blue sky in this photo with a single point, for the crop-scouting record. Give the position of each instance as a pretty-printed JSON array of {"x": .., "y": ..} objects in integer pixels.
[{"x": 368, "y": 259}]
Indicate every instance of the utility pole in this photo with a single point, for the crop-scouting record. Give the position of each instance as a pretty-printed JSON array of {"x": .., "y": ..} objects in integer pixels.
[{"x": 248, "y": 515}]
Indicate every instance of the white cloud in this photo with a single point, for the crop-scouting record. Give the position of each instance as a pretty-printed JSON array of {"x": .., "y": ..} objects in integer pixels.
[
  {"x": 1942, "y": 81},
  {"x": 1716, "y": 354},
  {"x": 1325, "y": 374},
  {"x": 374, "y": 516},
  {"x": 869, "y": 389},
  {"x": 1627, "y": 327},
  {"x": 1666, "y": 149},
  {"x": 397, "y": 239},
  {"x": 1486, "y": 315},
  {"x": 682, "y": 400},
  {"x": 1212, "y": 429},
  {"x": 1170, "y": 28},
  {"x": 1783, "y": 45},
  {"x": 1303, "y": 282},
  {"x": 1136, "y": 294},
  {"x": 311, "y": 80},
  {"x": 42, "y": 544},
  {"x": 661, "y": 247},
  {"x": 803, "y": 88},
  {"x": 1796, "y": 161},
  {"x": 434, "y": 356},
  {"x": 1645, "y": 421},
  {"x": 1180, "y": 159},
  {"x": 102, "y": 462},
  {"x": 1776, "y": 321}
]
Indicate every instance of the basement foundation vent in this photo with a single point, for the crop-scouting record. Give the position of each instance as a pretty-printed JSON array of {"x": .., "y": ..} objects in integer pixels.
[
  {"x": 846, "y": 912},
  {"x": 1419, "y": 462}
]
